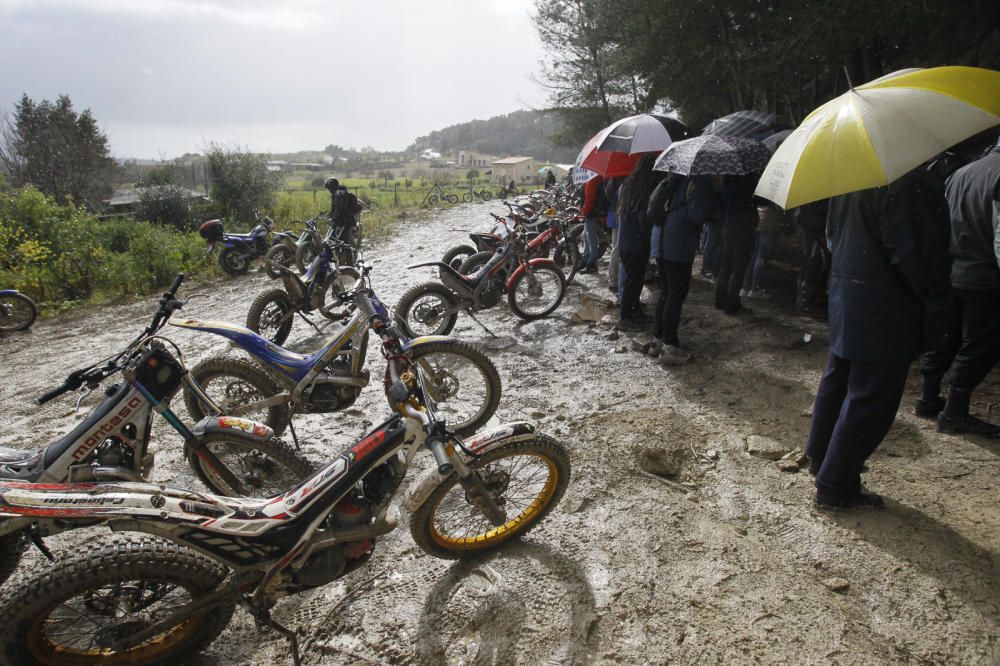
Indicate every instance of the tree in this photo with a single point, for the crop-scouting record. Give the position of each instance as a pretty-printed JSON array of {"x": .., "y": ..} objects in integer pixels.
[
  {"x": 241, "y": 181},
  {"x": 60, "y": 152},
  {"x": 707, "y": 58},
  {"x": 472, "y": 175}
]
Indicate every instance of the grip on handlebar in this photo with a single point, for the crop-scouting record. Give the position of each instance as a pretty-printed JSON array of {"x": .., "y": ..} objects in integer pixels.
[
  {"x": 176, "y": 284},
  {"x": 72, "y": 382}
]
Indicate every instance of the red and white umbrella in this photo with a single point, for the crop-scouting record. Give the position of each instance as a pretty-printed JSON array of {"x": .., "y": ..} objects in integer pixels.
[{"x": 615, "y": 150}]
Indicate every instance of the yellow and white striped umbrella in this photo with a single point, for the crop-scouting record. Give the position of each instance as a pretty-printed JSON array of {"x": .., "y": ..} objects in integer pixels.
[{"x": 875, "y": 133}]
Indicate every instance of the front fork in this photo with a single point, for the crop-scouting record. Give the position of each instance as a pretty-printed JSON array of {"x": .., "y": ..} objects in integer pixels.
[
  {"x": 472, "y": 483},
  {"x": 448, "y": 461}
]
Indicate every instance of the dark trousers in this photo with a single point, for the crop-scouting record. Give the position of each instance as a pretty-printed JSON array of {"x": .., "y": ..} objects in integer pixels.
[
  {"x": 855, "y": 406},
  {"x": 634, "y": 268},
  {"x": 737, "y": 248},
  {"x": 711, "y": 249},
  {"x": 675, "y": 280},
  {"x": 973, "y": 345}
]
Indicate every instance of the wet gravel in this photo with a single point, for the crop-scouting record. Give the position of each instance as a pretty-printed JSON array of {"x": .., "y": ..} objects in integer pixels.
[{"x": 721, "y": 560}]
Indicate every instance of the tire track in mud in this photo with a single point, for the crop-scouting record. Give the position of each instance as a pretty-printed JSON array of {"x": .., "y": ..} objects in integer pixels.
[{"x": 723, "y": 562}]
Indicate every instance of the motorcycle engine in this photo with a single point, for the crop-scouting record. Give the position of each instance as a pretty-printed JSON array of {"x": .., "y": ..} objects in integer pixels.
[
  {"x": 354, "y": 510},
  {"x": 489, "y": 293},
  {"x": 325, "y": 396}
]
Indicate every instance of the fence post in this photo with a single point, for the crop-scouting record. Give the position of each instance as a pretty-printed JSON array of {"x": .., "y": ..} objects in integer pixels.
[{"x": 395, "y": 195}]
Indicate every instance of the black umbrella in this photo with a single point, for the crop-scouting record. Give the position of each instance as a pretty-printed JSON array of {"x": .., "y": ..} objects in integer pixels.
[{"x": 746, "y": 123}]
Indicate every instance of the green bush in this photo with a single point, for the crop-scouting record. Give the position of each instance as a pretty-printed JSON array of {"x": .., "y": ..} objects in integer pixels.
[{"x": 59, "y": 253}]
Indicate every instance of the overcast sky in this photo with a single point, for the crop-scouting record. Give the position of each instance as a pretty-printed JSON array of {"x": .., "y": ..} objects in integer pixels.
[{"x": 164, "y": 77}]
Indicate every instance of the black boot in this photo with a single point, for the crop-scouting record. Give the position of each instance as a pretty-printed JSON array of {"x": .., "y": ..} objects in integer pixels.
[
  {"x": 930, "y": 403},
  {"x": 955, "y": 418}
]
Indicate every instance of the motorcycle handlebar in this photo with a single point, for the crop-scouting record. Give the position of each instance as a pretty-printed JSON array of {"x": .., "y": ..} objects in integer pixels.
[{"x": 175, "y": 285}]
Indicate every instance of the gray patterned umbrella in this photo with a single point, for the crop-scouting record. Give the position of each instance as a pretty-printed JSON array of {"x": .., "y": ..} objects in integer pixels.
[
  {"x": 713, "y": 155},
  {"x": 745, "y": 123}
]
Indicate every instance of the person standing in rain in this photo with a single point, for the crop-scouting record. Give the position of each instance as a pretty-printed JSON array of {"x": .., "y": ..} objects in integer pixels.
[
  {"x": 975, "y": 278},
  {"x": 550, "y": 179},
  {"x": 738, "y": 228},
  {"x": 889, "y": 272},
  {"x": 678, "y": 209},
  {"x": 595, "y": 211},
  {"x": 633, "y": 239}
]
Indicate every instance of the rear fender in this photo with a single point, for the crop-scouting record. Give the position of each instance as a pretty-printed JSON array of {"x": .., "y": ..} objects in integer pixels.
[
  {"x": 242, "y": 428},
  {"x": 534, "y": 262},
  {"x": 427, "y": 263},
  {"x": 424, "y": 485}
]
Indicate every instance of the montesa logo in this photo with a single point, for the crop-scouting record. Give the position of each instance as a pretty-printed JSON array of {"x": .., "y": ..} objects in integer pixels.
[
  {"x": 84, "y": 500},
  {"x": 108, "y": 426}
]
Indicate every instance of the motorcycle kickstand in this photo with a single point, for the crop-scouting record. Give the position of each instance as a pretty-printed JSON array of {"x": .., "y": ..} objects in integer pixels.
[
  {"x": 481, "y": 324},
  {"x": 263, "y": 618},
  {"x": 310, "y": 322},
  {"x": 295, "y": 438}
]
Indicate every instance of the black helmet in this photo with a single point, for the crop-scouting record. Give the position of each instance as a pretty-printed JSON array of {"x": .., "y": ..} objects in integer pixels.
[{"x": 331, "y": 184}]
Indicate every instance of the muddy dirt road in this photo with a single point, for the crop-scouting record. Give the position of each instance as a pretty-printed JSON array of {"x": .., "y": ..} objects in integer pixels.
[{"x": 718, "y": 559}]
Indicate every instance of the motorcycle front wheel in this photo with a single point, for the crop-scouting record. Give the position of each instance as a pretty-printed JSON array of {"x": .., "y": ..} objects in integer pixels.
[
  {"x": 263, "y": 469},
  {"x": 75, "y": 610},
  {"x": 17, "y": 312},
  {"x": 427, "y": 309},
  {"x": 233, "y": 262},
  {"x": 462, "y": 381},
  {"x": 458, "y": 254},
  {"x": 272, "y": 315},
  {"x": 526, "y": 480},
  {"x": 537, "y": 292}
]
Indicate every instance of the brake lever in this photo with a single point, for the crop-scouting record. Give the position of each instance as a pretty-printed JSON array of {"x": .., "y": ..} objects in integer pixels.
[{"x": 87, "y": 390}]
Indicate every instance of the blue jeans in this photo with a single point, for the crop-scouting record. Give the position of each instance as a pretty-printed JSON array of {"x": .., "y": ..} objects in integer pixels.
[
  {"x": 762, "y": 250},
  {"x": 616, "y": 262},
  {"x": 590, "y": 240},
  {"x": 712, "y": 248}
]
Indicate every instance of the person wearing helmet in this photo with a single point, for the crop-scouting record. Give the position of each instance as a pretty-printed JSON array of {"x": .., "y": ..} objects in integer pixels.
[{"x": 344, "y": 210}]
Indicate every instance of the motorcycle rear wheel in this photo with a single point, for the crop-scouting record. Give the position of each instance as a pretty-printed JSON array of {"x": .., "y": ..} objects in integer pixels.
[
  {"x": 232, "y": 383},
  {"x": 281, "y": 255},
  {"x": 71, "y": 611},
  {"x": 234, "y": 263},
  {"x": 264, "y": 469},
  {"x": 272, "y": 315},
  {"x": 526, "y": 479},
  {"x": 567, "y": 257}
]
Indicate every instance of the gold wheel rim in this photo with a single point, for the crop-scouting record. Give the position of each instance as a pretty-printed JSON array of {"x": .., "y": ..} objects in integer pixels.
[
  {"x": 47, "y": 652},
  {"x": 501, "y": 532}
]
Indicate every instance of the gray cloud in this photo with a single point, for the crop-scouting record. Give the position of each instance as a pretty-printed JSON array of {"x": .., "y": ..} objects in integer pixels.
[{"x": 164, "y": 76}]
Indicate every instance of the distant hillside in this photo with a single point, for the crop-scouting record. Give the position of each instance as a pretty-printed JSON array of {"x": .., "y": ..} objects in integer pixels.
[{"x": 517, "y": 133}]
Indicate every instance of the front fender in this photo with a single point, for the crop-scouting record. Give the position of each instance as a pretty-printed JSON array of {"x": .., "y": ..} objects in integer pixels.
[
  {"x": 422, "y": 487},
  {"x": 533, "y": 262},
  {"x": 417, "y": 343}
]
